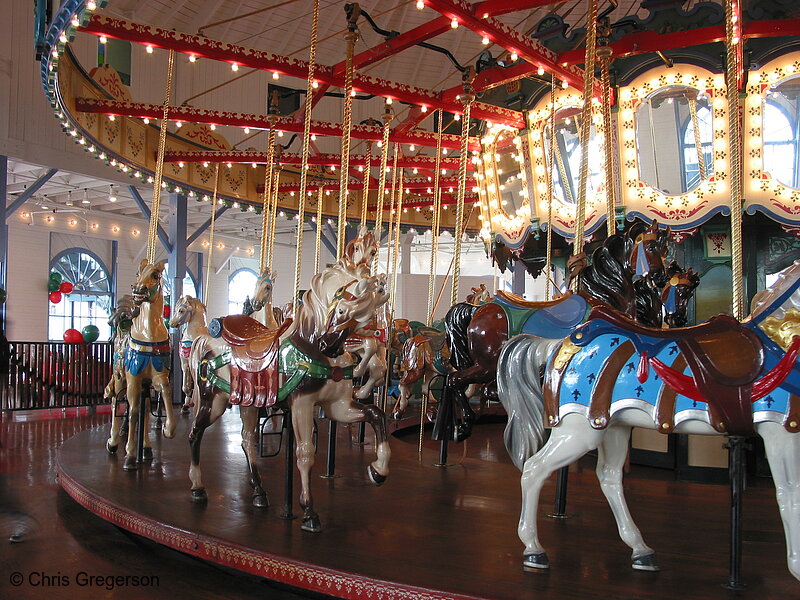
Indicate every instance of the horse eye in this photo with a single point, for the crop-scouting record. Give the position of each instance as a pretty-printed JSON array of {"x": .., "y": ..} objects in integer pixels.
[{"x": 156, "y": 275}]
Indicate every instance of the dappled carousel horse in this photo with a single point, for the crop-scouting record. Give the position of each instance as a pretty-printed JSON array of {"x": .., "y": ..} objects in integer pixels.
[
  {"x": 147, "y": 357},
  {"x": 611, "y": 374},
  {"x": 369, "y": 345},
  {"x": 243, "y": 366},
  {"x": 189, "y": 311},
  {"x": 120, "y": 320}
]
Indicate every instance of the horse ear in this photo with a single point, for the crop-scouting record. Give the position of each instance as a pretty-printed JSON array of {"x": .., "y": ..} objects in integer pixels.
[
  {"x": 160, "y": 265},
  {"x": 141, "y": 266}
]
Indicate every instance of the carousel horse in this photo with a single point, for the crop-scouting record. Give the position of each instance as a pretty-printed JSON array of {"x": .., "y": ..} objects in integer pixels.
[
  {"x": 425, "y": 356},
  {"x": 147, "y": 357},
  {"x": 189, "y": 311},
  {"x": 612, "y": 374},
  {"x": 368, "y": 344},
  {"x": 676, "y": 294},
  {"x": 243, "y": 367},
  {"x": 476, "y": 333},
  {"x": 120, "y": 321},
  {"x": 260, "y": 306},
  {"x": 480, "y": 295}
]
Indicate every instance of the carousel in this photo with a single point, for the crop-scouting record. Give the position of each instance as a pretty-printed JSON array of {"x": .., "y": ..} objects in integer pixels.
[{"x": 635, "y": 165}]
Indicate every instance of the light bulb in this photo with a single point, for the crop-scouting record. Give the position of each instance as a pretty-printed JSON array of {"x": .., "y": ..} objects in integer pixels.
[
  {"x": 192, "y": 58},
  {"x": 514, "y": 56},
  {"x": 234, "y": 67},
  {"x": 149, "y": 49},
  {"x": 103, "y": 39},
  {"x": 454, "y": 24},
  {"x": 420, "y": 4},
  {"x": 275, "y": 75},
  {"x": 485, "y": 41}
]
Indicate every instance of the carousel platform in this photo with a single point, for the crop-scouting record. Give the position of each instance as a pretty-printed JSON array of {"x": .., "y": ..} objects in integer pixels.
[{"x": 429, "y": 532}]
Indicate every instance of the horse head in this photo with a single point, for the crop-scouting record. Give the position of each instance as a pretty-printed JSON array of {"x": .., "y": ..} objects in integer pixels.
[
  {"x": 186, "y": 309},
  {"x": 360, "y": 253},
  {"x": 148, "y": 281},
  {"x": 263, "y": 291},
  {"x": 340, "y": 318},
  {"x": 123, "y": 314},
  {"x": 649, "y": 251}
]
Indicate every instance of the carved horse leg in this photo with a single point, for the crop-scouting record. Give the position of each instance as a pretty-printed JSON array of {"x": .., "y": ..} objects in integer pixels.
[
  {"x": 345, "y": 411},
  {"x": 249, "y": 416},
  {"x": 377, "y": 373},
  {"x": 161, "y": 383},
  {"x": 303, "y": 423},
  {"x": 115, "y": 391},
  {"x": 134, "y": 392},
  {"x": 573, "y": 438},
  {"x": 783, "y": 450},
  {"x": 611, "y": 456},
  {"x": 210, "y": 405}
]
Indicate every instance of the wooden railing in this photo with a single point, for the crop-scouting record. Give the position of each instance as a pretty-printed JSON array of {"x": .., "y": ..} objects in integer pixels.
[{"x": 55, "y": 375}]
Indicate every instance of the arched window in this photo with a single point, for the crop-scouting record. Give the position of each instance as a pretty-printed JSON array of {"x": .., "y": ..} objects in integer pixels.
[
  {"x": 91, "y": 297},
  {"x": 780, "y": 144},
  {"x": 241, "y": 285},
  {"x": 691, "y": 168},
  {"x": 189, "y": 287}
]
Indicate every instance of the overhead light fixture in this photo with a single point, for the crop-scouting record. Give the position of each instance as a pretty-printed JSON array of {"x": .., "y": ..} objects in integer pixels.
[
  {"x": 149, "y": 49},
  {"x": 454, "y": 24},
  {"x": 85, "y": 196},
  {"x": 112, "y": 197},
  {"x": 485, "y": 41},
  {"x": 192, "y": 58},
  {"x": 69, "y": 198},
  {"x": 420, "y": 4}
]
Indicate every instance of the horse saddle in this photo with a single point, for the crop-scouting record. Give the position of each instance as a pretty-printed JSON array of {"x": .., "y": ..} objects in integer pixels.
[
  {"x": 552, "y": 319},
  {"x": 254, "y": 359},
  {"x": 436, "y": 338},
  {"x": 725, "y": 359}
]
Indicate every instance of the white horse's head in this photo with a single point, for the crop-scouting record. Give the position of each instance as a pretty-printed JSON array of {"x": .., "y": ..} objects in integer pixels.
[
  {"x": 263, "y": 292},
  {"x": 360, "y": 253},
  {"x": 186, "y": 310},
  {"x": 148, "y": 281}
]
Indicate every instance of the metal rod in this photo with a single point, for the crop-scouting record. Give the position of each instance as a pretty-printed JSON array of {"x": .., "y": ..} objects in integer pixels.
[
  {"x": 330, "y": 464},
  {"x": 736, "y": 447},
  {"x": 560, "y": 503}
]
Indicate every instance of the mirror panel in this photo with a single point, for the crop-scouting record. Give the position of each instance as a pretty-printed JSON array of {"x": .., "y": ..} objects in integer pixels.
[
  {"x": 671, "y": 158},
  {"x": 567, "y": 160},
  {"x": 780, "y": 126}
]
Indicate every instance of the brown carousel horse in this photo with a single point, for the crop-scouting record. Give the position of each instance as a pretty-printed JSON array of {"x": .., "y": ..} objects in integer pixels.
[
  {"x": 424, "y": 357},
  {"x": 243, "y": 365}
]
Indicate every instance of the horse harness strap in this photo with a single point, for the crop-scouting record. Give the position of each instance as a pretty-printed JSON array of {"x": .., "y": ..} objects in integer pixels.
[
  {"x": 208, "y": 367},
  {"x": 293, "y": 361}
]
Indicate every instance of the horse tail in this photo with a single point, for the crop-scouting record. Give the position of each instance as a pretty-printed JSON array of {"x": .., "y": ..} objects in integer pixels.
[
  {"x": 456, "y": 323},
  {"x": 519, "y": 388}
]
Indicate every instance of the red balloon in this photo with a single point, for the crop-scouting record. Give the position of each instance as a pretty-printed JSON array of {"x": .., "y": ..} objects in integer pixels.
[
  {"x": 66, "y": 287},
  {"x": 167, "y": 311},
  {"x": 73, "y": 336},
  {"x": 55, "y": 297}
]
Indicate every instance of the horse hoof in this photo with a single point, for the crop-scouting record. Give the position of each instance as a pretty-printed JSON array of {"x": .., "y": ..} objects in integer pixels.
[
  {"x": 199, "y": 496},
  {"x": 536, "y": 561},
  {"x": 111, "y": 449},
  {"x": 185, "y": 409},
  {"x": 646, "y": 563},
  {"x": 147, "y": 454},
  {"x": 311, "y": 524},
  {"x": 130, "y": 464},
  {"x": 463, "y": 432},
  {"x": 261, "y": 501},
  {"x": 397, "y": 415},
  {"x": 168, "y": 431},
  {"x": 376, "y": 478}
]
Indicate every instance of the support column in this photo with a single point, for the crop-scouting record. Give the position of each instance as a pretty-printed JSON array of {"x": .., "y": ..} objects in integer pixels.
[
  {"x": 177, "y": 270},
  {"x": 3, "y": 224},
  {"x": 518, "y": 280}
]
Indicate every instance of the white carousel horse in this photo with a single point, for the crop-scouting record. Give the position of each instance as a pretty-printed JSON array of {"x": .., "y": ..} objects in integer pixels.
[
  {"x": 147, "y": 357},
  {"x": 317, "y": 372},
  {"x": 369, "y": 345},
  {"x": 261, "y": 302},
  {"x": 189, "y": 311},
  {"x": 599, "y": 384}
]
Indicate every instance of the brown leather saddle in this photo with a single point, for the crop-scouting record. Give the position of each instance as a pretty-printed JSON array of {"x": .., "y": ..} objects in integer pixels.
[
  {"x": 725, "y": 359},
  {"x": 254, "y": 360}
]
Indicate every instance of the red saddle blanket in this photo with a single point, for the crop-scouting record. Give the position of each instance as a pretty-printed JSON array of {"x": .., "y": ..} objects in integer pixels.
[{"x": 254, "y": 360}]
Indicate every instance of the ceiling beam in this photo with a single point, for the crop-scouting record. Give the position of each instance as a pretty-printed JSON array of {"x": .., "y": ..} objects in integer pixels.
[
  {"x": 28, "y": 193},
  {"x": 249, "y": 57},
  {"x": 528, "y": 49},
  {"x": 162, "y": 235},
  {"x": 205, "y": 225},
  {"x": 187, "y": 114}
]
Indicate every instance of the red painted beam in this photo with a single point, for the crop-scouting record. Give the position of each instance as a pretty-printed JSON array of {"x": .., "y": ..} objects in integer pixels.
[
  {"x": 289, "y": 158},
  {"x": 527, "y": 48},
  {"x": 249, "y": 57},
  {"x": 776, "y": 28},
  {"x": 187, "y": 114}
]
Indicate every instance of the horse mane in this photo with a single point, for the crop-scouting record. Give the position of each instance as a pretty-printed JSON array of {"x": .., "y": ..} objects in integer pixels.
[
  {"x": 648, "y": 303},
  {"x": 313, "y": 309},
  {"x": 609, "y": 278},
  {"x": 456, "y": 322}
]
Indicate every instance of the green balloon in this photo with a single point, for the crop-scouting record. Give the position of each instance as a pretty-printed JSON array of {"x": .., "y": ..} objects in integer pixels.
[
  {"x": 90, "y": 333},
  {"x": 52, "y": 285},
  {"x": 55, "y": 276}
]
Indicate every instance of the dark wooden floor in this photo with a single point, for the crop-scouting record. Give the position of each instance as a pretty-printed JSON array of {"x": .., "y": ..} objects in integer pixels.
[{"x": 451, "y": 530}]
